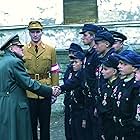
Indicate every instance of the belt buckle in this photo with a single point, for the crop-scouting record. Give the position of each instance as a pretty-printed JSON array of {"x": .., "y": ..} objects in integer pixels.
[{"x": 37, "y": 76}]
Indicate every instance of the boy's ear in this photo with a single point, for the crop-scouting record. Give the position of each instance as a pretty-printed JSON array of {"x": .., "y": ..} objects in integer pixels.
[{"x": 115, "y": 71}]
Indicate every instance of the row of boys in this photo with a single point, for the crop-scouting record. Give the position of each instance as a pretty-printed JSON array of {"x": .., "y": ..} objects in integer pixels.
[{"x": 101, "y": 88}]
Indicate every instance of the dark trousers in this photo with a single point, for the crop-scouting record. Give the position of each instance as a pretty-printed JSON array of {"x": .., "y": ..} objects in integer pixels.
[
  {"x": 40, "y": 110},
  {"x": 125, "y": 132},
  {"x": 96, "y": 124},
  {"x": 67, "y": 123},
  {"x": 79, "y": 132},
  {"x": 108, "y": 128}
]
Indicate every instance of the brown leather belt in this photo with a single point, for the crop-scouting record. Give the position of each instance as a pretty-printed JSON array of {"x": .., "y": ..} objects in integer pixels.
[{"x": 39, "y": 76}]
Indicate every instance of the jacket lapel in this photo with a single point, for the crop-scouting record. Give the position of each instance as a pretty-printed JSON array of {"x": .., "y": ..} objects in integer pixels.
[{"x": 41, "y": 49}]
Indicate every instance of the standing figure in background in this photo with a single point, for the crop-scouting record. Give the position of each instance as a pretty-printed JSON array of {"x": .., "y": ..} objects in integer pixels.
[
  {"x": 40, "y": 62},
  {"x": 90, "y": 63},
  {"x": 119, "y": 45}
]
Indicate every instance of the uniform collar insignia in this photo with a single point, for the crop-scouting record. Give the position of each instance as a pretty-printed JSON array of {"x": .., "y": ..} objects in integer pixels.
[{"x": 129, "y": 78}]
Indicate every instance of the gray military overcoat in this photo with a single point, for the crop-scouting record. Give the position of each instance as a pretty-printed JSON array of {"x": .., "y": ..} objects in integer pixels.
[{"x": 14, "y": 111}]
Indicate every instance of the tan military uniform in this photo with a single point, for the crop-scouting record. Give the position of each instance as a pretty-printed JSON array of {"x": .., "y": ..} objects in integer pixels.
[{"x": 40, "y": 65}]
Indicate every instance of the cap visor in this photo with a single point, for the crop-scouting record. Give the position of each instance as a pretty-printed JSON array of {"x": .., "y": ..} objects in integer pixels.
[
  {"x": 125, "y": 59},
  {"x": 82, "y": 32},
  {"x": 98, "y": 39},
  {"x": 137, "y": 66}
]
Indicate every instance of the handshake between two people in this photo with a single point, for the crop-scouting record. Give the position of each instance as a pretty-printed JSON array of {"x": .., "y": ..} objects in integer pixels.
[{"x": 56, "y": 91}]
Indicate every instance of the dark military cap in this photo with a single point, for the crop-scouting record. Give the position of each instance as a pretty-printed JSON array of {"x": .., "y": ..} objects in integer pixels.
[
  {"x": 78, "y": 55},
  {"x": 14, "y": 40},
  {"x": 137, "y": 66},
  {"x": 111, "y": 61},
  {"x": 33, "y": 25},
  {"x": 89, "y": 27},
  {"x": 118, "y": 36},
  {"x": 137, "y": 61},
  {"x": 104, "y": 35},
  {"x": 75, "y": 47},
  {"x": 102, "y": 28},
  {"x": 129, "y": 57}
]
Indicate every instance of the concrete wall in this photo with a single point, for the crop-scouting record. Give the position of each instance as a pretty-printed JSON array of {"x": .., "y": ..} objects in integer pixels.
[
  {"x": 118, "y": 10},
  {"x": 62, "y": 35}
]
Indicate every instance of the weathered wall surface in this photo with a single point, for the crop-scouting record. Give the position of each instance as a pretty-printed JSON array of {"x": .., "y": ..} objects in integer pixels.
[
  {"x": 118, "y": 10},
  {"x": 62, "y": 35}
]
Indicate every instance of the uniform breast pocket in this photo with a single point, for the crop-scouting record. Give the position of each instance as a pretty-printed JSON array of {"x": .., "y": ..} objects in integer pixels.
[
  {"x": 28, "y": 62},
  {"x": 46, "y": 62},
  {"x": 125, "y": 104}
]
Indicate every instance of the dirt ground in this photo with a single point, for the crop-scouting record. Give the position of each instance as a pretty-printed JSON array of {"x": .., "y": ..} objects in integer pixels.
[
  {"x": 57, "y": 126},
  {"x": 57, "y": 120}
]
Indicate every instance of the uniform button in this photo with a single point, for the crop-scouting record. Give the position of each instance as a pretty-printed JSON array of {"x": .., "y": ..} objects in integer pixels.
[
  {"x": 7, "y": 93},
  {"x": 108, "y": 86},
  {"x": 123, "y": 85}
]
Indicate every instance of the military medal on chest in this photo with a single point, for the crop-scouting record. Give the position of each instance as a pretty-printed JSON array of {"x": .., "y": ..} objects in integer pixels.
[
  {"x": 138, "y": 113},
  {"x": 104, "y": 102},
  {"x": 114, "y": 92},
  {"x": 70, "y": 75},
  {"x": 118, "y": 101}
]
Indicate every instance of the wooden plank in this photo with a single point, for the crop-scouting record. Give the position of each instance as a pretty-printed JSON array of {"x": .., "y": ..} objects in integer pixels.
[{"x": 78, "y": 11}]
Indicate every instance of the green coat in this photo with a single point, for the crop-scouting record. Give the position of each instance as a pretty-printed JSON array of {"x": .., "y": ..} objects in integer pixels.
[{"x": 14, "y": 111}]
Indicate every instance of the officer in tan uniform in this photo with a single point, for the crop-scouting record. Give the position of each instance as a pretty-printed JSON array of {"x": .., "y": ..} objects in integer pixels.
[{"x": 40, "y": 62}]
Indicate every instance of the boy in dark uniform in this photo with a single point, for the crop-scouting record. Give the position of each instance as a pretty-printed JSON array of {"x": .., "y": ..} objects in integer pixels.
[
  {"x": 124, "y": 97},
  {"x": 91, "y": 62},
  {"x": 104, "y": 41},
  {"x": 136, "y": 108},
  {"x": 80, "y": 126},
  {"x": 67, "y": 98},
  {"x": 105, "y": 100}
]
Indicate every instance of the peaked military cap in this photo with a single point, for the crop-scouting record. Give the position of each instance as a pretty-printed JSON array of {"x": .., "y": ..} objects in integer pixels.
[
  {"x": 118, "y": 36},
  {"x": 137, "y": 65},
  {"x": 103, "y": 28},
  {"x": 89, "y": 27},
  {"x": 14, "y": 40},
  {"x": 104, "y": 35},
  {"x": 111, "y": 61},
  {"x": 78, "y": 55},
  {"x": 75, "y": 47},
  {"x": 137, "y": 61},
  {"x": 35, "y": 25},
  {"x": 129, "y": 57}
]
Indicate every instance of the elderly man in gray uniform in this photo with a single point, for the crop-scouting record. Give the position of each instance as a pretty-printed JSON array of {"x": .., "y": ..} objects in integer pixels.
[{"x": 15, "y": 121}]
